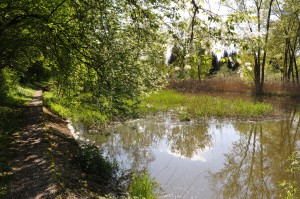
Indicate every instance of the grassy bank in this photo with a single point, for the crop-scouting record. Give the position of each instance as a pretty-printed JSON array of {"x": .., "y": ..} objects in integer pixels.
[
  {"x": 89, "y": 159},
  {"x": 20, "y": 96},
  {"x": 87, "y": 114},
  {"x": 79, "y": 168},
  {"x": 197, "y": 106},
  {"x": 11, "y": 111}
]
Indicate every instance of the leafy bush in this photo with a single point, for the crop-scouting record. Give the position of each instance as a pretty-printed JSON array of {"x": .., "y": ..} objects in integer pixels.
[
  {"x": 8, "y": 82},
  {"x": 92, "y": 162}
]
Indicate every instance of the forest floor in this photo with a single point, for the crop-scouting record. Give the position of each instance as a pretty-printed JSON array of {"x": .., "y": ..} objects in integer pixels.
[{"x": 43, "y": 153}]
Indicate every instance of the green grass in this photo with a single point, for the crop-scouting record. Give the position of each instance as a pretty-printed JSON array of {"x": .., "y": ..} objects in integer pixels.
[
  {"x": 143, "y": 186},
  {"x": 20, "y": 96},
  {"x": 197, "y": 106},
  {"x": 87, "y": 114},
  {"x": 10, "y": 111}
]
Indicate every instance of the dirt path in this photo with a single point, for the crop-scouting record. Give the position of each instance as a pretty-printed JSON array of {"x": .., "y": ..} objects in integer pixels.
[
  {"x": 32, "y": 175},
  {"x": 45, "y": 160}
]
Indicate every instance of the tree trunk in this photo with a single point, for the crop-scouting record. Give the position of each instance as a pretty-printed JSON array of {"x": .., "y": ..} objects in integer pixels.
[
  {"x": 259, "y": 68},
  {"x": 258, "y": 85},
  {"x": 199, "y": 66}
]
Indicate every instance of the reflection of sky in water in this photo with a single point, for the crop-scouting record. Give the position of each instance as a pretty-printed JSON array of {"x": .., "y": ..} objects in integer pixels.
[
  {"x": 187, "y": 177},
  {"x": 183, "y": 155},
  {"x": 178, "y": 174}
]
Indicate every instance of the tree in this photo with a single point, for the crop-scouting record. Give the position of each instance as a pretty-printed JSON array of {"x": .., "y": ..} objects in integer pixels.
[
  {"x": 107, "y": 50},
  {"x": 256, "y": 18},
  {"x": 285, "y": 34}
]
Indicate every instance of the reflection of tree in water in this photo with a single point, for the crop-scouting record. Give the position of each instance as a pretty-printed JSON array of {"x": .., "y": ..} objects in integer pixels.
[
  {"x": 257, "y": 163},
  {"x": 135, "y": 140},
  {"x": 188, "y": 140},
  {"x": 134, "y": 143}
]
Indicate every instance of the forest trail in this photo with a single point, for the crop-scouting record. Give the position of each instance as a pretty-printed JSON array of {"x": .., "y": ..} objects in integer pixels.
[
  {"x": 31, "y": 168},
  {"x": 43, "y": 163}
]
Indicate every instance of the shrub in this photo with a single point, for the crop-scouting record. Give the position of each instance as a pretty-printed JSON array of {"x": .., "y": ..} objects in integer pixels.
[
  {"x": 143, "y": 186},
  {"x": 90, "y": 160}
]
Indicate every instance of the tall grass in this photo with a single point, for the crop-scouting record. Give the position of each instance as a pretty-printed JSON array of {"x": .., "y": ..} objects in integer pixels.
[
  {"x": 143, "y": 186},
  {"x": 197, "y": 106},
  {"x": 279, "y": 89}
]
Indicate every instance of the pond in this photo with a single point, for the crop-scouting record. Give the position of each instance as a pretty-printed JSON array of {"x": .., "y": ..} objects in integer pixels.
[{"x": 209, "y": 158}]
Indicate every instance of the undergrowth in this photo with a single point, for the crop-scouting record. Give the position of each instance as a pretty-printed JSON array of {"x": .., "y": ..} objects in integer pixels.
[
  {"x": 20, "y": 96},
  {"x": 5, "y": 165}
]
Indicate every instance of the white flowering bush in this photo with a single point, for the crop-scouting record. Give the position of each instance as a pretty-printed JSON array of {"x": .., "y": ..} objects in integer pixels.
[
  {"x": 245, "y": 71},
  {"x": 187, "y": 67}
]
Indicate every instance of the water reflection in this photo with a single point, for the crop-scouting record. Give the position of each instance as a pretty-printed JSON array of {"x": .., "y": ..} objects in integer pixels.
[
  {"x": 207, "y": 159},
  {"x": 258, "y": 161},
  {"x": 137, "y": 139}
]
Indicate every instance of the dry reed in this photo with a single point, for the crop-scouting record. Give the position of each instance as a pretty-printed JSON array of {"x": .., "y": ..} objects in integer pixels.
[{"x": 233, "y": 85}]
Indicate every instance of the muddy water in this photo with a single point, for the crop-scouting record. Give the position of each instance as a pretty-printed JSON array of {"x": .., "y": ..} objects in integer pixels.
[{"x": 209, "y": 158}]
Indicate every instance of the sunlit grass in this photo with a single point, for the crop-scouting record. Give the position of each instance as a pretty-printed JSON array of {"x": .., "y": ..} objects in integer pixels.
[
  {"x": 83, "y": 113},
  {"x": 18, "y": 97},
  {"x": 202, "y": 105},
  {"x": 143, "y": 186}
]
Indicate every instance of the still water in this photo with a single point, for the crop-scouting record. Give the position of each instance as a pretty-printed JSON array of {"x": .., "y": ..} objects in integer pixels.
[{"x": 209, "y": 158}]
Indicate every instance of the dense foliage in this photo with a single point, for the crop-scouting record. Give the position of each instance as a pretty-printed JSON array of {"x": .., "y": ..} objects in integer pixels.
[
  {"x": 98, "y": 52},
  {"x": 108, "y": 53}
]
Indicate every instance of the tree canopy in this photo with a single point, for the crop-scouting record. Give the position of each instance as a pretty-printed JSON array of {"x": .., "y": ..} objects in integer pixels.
[
  {"x": 109, "y": 50},
  {"x": 113, "y": 50}
]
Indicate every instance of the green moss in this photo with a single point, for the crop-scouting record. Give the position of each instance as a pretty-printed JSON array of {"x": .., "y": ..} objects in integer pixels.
[{"x": 202, "y": 105}]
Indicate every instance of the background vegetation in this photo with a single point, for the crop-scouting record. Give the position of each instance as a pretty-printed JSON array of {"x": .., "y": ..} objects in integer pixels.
[{"x": 102, "y": 57}]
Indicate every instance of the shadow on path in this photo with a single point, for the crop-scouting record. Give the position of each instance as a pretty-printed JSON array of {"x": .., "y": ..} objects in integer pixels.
[{"x": 32, "y": 172}]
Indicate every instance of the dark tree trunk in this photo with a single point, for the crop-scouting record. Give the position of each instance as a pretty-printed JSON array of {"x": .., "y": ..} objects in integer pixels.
[{"x": 285, "y": 62}]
